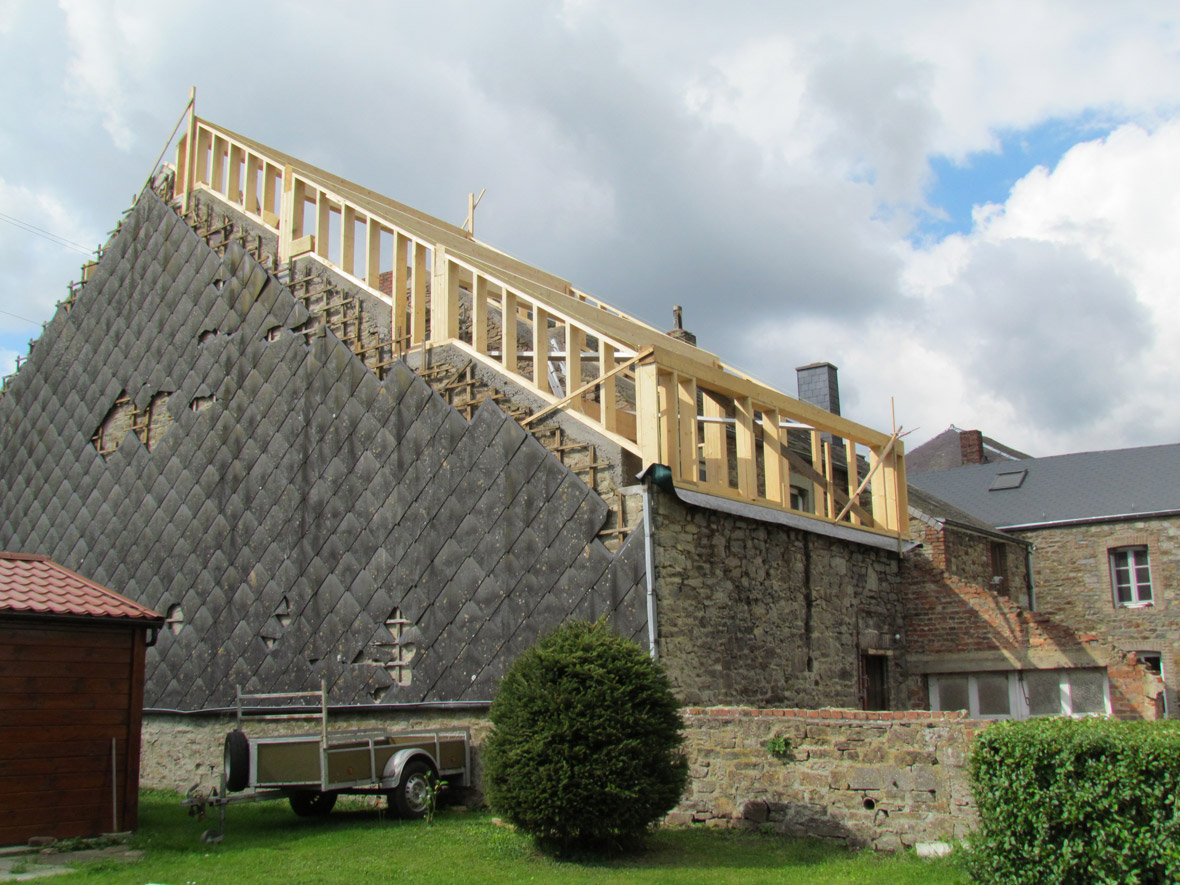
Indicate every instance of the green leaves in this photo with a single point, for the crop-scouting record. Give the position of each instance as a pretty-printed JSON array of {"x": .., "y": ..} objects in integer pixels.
[
  {"x": 585, "y": 750},
  {"x": 1066, "y": 800}
]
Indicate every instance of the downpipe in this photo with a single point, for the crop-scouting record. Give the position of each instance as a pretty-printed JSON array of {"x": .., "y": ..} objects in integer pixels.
[{"x": 649, "y": 561}]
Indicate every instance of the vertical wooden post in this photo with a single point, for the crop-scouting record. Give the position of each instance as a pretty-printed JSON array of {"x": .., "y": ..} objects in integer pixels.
[
  {"x": 253, "y": 165},
  {"x": 669, "y": 427},
  {"x": 647, "y": 413},
  {"x": 822, "y": 506},
  {"x": 830, "y": 476},
  {"x": 479, "y": 314},
  {"x": 204, "y": 149},
  {"x": 190, "y": 149},
  {"x": 348, "y": 239},
  {"x": 218, "y": 172},
  {"x": 853, "y": 477},
  {"x": 575, "y": 339},
  {"x": 373, "y": 256},
  {"x": 541, "y": 348},
  {"x": 686, "y": 394},
  {"x": 774, "y": 464},
  {"x": 418, "y": 294},
  {"x": 508, "y": 332},
  {"x": 444, "y": 317},
  {"x": 716, "y": 456},
  {"x": 290, "y": 216},
  {"x": 747, "y": 458},
  {"x": 607, "y": 406},
  {"x": 233, "y": 186},
  {"x": 323, "y": 223}
]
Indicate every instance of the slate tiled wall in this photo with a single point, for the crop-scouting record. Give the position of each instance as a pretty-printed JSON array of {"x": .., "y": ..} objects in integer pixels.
[{"x": 290, "y": 516}]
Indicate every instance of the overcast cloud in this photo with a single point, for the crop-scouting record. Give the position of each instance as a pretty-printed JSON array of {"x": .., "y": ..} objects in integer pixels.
[{"x": 767, "y": 166}]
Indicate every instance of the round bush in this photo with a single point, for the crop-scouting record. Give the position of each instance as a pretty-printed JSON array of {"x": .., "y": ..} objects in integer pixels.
[{"x": 585, "y": 750}]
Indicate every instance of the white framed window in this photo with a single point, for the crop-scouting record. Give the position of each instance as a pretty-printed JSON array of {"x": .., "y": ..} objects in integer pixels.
[
  {"x": 1130, "y": 576},
  {"x": 1020, "y": 694}
]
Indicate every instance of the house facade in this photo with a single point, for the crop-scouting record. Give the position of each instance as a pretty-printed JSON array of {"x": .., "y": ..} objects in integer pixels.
[{"x": 1105, "y": 534}]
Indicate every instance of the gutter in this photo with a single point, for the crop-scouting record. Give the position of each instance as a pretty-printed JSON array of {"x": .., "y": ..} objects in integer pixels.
[{"x": 1122, "y": 517}]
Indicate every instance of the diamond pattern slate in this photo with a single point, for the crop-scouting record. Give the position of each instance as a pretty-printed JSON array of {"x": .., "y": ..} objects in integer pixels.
[{"x": 289, "y": 516}]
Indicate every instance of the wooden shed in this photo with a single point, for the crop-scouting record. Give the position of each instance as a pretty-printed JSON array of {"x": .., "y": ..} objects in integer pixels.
[{"x": 71, "y": 702}]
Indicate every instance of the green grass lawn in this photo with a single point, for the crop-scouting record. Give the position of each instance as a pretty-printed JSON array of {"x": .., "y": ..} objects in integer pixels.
[{"x": 266, "y": 842}]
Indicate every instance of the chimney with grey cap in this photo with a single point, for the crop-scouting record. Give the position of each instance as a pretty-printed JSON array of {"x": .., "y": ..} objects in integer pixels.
[{"x": 818, "y": 386}]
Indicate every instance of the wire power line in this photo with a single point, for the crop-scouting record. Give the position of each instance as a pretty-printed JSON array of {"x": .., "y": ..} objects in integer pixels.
[{"x": 44, "y": 234}]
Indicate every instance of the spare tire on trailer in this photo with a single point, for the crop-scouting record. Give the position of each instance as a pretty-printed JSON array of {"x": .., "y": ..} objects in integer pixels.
[{"x": 237, "y": 761}]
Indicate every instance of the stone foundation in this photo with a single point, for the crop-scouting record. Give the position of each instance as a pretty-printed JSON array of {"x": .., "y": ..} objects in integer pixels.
[{"x": 884, "y": 780}]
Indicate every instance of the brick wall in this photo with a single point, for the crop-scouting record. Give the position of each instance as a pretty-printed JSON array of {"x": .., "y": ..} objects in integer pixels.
[
  {"x": 951, "y": 623},
  {"x": 1071, "y": 574},
  {"x": 870, "y": 779},
  {"x": 751, "y": 612},
  {"x": 969, "y": 556}
]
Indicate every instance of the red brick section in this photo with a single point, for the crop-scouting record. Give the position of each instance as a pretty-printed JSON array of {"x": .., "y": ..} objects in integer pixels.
[
  {"x": 947, "y": 615},
  {"x": 971, "y": 446},
  {"x": 36, "y": 585}
]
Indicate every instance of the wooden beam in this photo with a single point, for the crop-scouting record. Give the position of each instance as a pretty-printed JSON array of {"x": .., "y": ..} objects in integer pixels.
[
  {"x": 575, "y": 340},
  {"x": 716, "y": 442},
  {"x": 747, "y": 459},
  {"x": 821, "y": 485},
  {"x": 686, "y": 390},
  {"x": 541, "y": 349},
  {"x": 253, "y": 168},
  {"x": 233, "y": 185},
  {"x": 607, "y": 393},
  {"x": 373, "y": 232},
  {"x": 323, "y": 223},
  {"x": 479, "y": 314},
  {"x": 774, "y": 440},
  {"x": 348, "y": 240},
  {"x": 647, "y": 412},
  {"x": 418, "y": 307},
  {"x": 289, "y": 226},
  {"x": 508, "y": 332}
]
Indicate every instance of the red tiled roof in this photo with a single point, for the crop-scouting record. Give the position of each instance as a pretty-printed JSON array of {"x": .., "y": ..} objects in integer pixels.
[{"x": 36, "y": 585}]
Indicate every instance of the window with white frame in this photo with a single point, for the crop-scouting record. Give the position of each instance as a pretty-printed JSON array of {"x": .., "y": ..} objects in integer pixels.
[
  {"x": 1130, "y": 576},
  {"x": 1019, "y": 694}
]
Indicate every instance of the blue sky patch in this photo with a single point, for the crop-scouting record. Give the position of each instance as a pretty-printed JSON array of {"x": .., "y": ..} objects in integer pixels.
[{"x": 988, "y": 176}]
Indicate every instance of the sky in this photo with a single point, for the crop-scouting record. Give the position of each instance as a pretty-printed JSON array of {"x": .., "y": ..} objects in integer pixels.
[{"x": 971, "y": 208}]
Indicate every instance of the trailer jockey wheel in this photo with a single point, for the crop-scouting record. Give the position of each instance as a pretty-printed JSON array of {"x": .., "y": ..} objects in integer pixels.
[{"x": 237, "y": 761}]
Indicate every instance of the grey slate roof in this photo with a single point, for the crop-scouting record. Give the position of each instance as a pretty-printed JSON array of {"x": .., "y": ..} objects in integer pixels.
[{"x": 1081, "y": 487}]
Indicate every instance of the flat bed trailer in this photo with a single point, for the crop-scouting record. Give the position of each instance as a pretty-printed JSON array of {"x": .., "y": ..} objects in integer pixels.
[{"x": 311, "y": 770}]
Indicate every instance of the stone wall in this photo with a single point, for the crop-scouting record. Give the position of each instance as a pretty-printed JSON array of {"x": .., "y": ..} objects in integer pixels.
[
  {"x": 1071, "y": 572},
  {"x": 884, "y": 780},
  {"x": 754, "y": 612}
]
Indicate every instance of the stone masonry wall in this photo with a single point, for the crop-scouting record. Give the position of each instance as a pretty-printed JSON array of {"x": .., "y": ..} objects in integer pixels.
[
  {"x": 1071, "y": 572},
  {"x": 752, "y": 612},
  {"x": 884, "y": 780}
]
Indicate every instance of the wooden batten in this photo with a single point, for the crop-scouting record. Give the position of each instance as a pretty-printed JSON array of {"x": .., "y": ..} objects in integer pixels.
[
  {"x": 479, "y": 315},
  {"x": 747, "y": 462},
  {"x": 418, "y": 305},
  {"x": 647, "y": 412},
  {"x": 575, "y": 340},
  {"x": 686, "y": 392},
  {"x": 774, "y": 440},
  {"x": 348, "y": 240}
]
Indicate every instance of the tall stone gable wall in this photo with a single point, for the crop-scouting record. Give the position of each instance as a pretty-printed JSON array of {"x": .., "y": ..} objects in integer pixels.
[
  {"x": 298, "y": 518},
  {"x": 1071, "y": 571},
  {"x": 757, "y": 613}
]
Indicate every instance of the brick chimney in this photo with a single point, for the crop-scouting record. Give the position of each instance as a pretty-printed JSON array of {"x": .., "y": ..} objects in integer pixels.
[
  {"x": 678, "y": 331},
  {"x": 970, "y": 447},
  {"x": 818, "y": 385}
]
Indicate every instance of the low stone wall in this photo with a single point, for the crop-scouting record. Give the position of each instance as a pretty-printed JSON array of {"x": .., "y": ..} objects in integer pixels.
[{"x": 885, "y": 780}]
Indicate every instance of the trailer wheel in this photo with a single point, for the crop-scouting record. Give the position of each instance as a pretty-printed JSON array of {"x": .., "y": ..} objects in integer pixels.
[
  {"x": 411, "y": 797},
  {"x": 237, "y": 761},
  {"x": 312, "y": 803}
]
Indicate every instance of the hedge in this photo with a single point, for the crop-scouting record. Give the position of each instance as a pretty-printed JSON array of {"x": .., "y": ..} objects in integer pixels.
[{"x": 1069, "y": 800}]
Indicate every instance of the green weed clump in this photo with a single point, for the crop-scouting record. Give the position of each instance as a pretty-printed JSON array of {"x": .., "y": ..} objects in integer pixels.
[
  {"x": 585, "y": 750},
  {"x": 1077, "y": 801}
]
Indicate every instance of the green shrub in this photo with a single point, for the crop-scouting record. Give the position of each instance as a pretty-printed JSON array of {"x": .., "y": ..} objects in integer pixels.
[
  {"x": 585, "y": 750},
  {"x": 1064, "y": 800}
]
